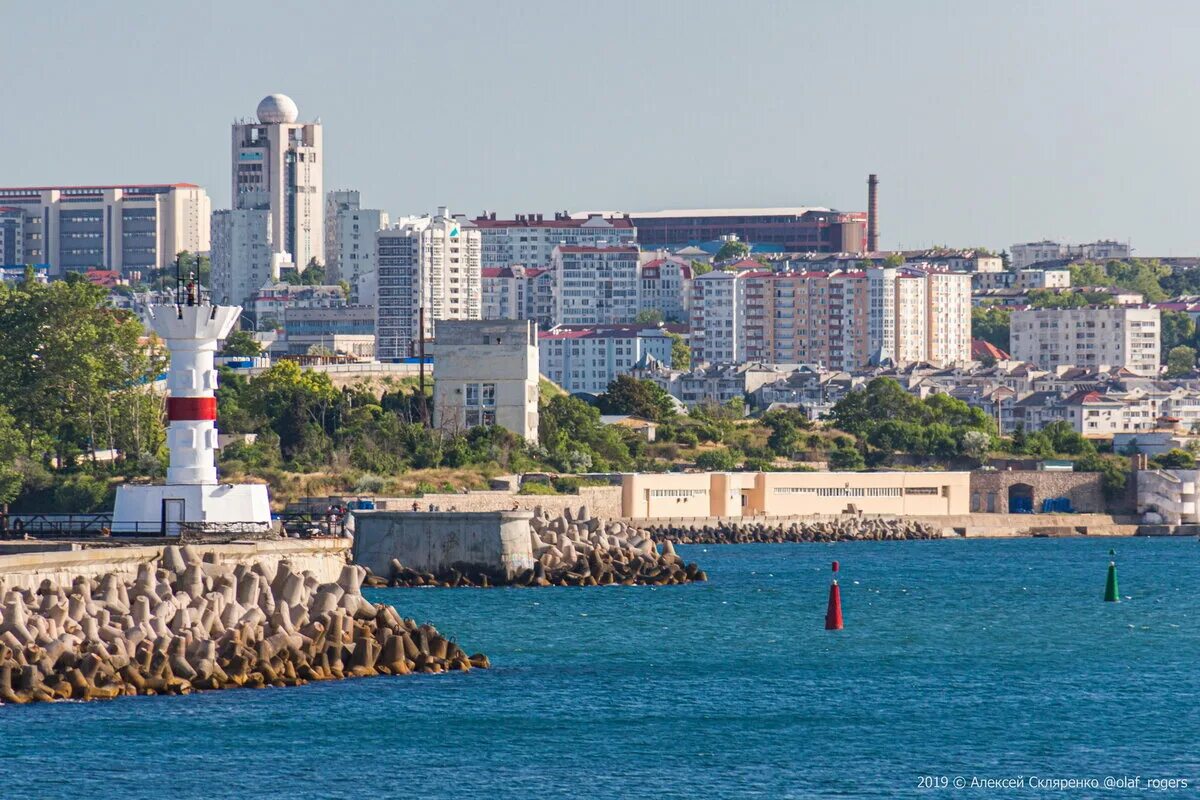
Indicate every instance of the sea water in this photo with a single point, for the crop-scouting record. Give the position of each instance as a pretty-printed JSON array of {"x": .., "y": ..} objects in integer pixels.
[{"x": 960, "y": 661}]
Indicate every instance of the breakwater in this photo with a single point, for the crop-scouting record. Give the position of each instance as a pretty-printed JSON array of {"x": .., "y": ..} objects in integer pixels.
[
  {"x": 733, "y": 531},
  {"x": 189, "y": 622},
  {"x": 570, "y": 548}
]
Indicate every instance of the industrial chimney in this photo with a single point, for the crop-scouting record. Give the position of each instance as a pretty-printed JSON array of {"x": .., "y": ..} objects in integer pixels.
[{"x": 872, "y": 213}]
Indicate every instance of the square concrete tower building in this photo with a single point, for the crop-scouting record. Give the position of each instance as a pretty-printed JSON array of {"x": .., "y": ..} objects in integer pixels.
[{"x": 485, "y": 372}]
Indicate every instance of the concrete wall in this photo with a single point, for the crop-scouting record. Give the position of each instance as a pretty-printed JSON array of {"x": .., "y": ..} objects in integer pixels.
[
  {"x": 602, "y": 501},
  {"x": 990, "y": 490},
  {"x": 1168, "y": 496},
  {"x": 324, "y": 557},
  {"x": 971, "y": 526},
  {"x": 777, "y": 494},
  {"x": 436, "y": 541}
]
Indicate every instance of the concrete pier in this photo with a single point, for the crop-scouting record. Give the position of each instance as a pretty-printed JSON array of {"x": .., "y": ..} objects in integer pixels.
[
  {"x": 435, "y": 541},
  {"x": 62, "y": 562}
]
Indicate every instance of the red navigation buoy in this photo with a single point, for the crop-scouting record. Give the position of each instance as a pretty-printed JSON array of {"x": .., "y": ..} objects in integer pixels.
[{"x": 833, "y": 611}]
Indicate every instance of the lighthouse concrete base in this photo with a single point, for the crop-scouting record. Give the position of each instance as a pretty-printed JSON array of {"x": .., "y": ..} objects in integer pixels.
[{"x": 173, "y": 509}]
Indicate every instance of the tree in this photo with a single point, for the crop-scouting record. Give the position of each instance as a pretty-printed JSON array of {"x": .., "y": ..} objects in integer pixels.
[
  {"x": 1176, "y": 459},
  {"x": 894, "y": 260},
  {"x": 846, "y": 459},
  {"x": 641, "y": 398},
  {"x": 649, "y": 316},
  {"x": 575, "y": 440},
  {"x": 720, "y": 459},
  {"x": 1181, "y": 361},
  {"x": 1178, "y": 328},
  {"x": 1114, "y": 472},
  {"x": 701, "y": 268},
  {"x": 976, "y": 445},
  {"x": 72, "y": 365},
  {"x": 681, "y": 354},
  {"x": 314, "y": 274},
  {"x": 732, "y": 250},
  {"x": 241, "y": 343},
  {"x": 991, "y": 324}
]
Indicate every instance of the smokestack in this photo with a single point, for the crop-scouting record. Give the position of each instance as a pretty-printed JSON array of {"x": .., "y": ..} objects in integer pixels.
[{"x": 872, "y": 213}]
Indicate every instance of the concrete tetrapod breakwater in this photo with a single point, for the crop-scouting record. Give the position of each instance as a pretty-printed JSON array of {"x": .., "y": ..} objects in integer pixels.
[
  {"x": 188, "y": 623},
  {"x": 733, "y": 531},
  {"x": 571, "y": 548}
]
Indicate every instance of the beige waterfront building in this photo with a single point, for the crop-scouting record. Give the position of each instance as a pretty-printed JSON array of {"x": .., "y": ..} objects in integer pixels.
[
  {"x": 786, "y": 494},
  {"x": 277, "y": 166},
  {"x": 128, "y": 228},
  {"x": 1114, "y": 336}
]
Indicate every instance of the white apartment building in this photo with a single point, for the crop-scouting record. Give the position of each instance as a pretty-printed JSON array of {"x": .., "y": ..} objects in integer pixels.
[
  {"x": 430, "y": 263},
  {"x": 1030, "y": 253},
  {"x": 595, "y": 285},
  {"x": 665, "y": 286},
  {"x": 948, "y": 317},
  {"x": 910, "y": 322},
  {"x": 718, "y": 318},
  {"x": 350, "y": 240},
  {"x": 530, "y": 239},
  {"x": 130, "y": 229},
  {"x": 588, "y": 359},
  {"x": 1124, "y": 336},
  {"x": 839, "y": 320},
  {"x": 277, "y": 167},
  {"x": 243, "y": 260},
  {"x": 518, "y": 292}
]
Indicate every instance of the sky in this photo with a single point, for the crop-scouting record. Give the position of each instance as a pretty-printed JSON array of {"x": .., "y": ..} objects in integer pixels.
[{"x": 988, "y": 123}]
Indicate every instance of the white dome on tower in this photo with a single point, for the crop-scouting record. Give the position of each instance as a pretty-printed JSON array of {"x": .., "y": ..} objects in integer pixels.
[{"x": 277, "y": 108}]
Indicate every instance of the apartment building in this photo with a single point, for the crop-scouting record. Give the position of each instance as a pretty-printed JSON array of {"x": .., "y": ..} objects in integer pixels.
[
  {"x": 530, "y": 239},
  {"x": 589, "y": 358},
  {"x": 665, "y": 286},
  {"x": 948, "y": 318},
  {"x": 350, "y": 239},
  {"x": 243, "y": 260},
  {"x": 277, "y": 166},
  {"x": 431, "y": 263},
  {"x": 841, "y": 320},
  {"x": 1124, "y": 336},
  {"x": 1030, "y": 253},
  {"x": 595, "y": 285},
  {"x": 518, "y": 292},
  {"x": 131, "y": 229}
]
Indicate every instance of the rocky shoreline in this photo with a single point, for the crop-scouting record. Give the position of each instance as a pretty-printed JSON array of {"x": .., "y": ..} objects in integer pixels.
[
  {"x": 843, "y": 530},
  {"x": 189, "y": 624},
  {"x": 571, "y": 549}
]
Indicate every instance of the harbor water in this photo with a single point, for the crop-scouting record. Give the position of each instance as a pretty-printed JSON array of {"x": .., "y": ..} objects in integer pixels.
[{"x": 978, "y": 659}]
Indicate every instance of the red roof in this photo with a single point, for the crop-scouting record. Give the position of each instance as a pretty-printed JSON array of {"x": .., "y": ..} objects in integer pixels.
[{"x": 981, "y": 349}]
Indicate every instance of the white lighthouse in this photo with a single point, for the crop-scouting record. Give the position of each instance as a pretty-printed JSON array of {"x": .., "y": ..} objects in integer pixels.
[{"x": 191, "y": 498}]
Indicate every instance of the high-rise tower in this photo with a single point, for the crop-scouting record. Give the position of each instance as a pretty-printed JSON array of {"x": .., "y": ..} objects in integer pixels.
[{"x": 277, "y": 164}]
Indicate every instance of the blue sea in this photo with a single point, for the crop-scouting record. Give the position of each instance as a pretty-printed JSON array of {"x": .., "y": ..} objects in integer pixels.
[{"x": 960, "y": 661}]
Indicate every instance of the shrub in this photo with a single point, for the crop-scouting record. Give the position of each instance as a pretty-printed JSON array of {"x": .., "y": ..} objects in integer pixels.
[
  {"x": 721, "y": 459},
  {"x": 532, "y": 487}
]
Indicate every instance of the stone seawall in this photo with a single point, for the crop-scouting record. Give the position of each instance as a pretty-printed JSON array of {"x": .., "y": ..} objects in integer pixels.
[
  {"x": 816, "y": 527},
  {"x": 324, "y": 558},
  {"x": 604, "y": 501}
]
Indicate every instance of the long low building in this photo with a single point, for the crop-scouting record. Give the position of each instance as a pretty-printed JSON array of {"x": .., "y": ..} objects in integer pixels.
[{"x": 786, "y": 494}]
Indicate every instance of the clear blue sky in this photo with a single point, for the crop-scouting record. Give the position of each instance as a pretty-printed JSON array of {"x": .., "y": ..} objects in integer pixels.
[{"x": 988, "y": 123}]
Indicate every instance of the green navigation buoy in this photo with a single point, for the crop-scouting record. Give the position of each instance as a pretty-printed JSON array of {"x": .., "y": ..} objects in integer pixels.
[{"x": 1110, "y": 587}]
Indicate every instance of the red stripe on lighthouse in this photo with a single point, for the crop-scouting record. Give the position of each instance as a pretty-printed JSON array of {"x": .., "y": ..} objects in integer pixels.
[{"x": 191, "y": 408}]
